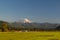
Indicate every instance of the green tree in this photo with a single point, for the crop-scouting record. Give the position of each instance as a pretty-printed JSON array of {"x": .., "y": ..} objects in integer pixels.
[{"x": 4, "y": 27}]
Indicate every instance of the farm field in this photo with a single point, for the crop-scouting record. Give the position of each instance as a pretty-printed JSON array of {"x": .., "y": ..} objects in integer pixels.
[{"x": 29, "y": 35}]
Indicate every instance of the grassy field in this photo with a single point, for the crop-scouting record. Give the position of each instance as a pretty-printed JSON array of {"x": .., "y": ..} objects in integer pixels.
[{"x": 29, "y": 35}]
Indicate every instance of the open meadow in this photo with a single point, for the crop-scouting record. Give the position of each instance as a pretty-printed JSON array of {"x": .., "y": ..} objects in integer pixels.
[{"x": 29, "y": 35}]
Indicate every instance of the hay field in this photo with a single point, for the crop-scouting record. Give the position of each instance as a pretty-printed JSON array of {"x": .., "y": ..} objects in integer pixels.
[{"x": 29, "y": 35}]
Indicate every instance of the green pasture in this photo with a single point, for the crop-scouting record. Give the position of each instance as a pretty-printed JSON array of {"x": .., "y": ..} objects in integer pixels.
[{"x": 29, "y": 35}]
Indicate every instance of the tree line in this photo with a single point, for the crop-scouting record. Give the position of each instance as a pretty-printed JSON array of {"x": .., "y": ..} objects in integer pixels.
[{"x": 6, "y": 27}]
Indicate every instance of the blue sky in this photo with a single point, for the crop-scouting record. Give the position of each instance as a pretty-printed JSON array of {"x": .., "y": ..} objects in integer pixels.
[{"x": 35, "y": 10}]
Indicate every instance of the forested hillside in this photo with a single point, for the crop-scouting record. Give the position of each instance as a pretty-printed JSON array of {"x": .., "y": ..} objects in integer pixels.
[{"x": 17, "y": 26}]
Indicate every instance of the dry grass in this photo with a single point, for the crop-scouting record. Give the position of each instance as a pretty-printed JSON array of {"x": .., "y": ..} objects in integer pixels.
[{"x": 29, "y": 35}]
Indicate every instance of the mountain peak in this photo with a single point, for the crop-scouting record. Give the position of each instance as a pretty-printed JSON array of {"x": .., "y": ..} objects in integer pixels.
[{"x": 27, "y": 20}]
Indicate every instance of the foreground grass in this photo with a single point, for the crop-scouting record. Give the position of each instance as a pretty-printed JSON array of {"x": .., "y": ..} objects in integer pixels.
[{"x": 29, "y": 35}]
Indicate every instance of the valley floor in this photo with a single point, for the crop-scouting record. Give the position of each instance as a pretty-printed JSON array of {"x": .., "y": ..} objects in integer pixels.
[{"x": 29, "y": 35}]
